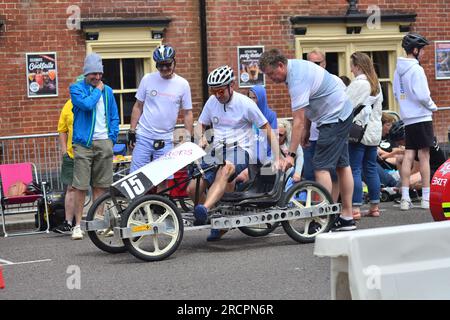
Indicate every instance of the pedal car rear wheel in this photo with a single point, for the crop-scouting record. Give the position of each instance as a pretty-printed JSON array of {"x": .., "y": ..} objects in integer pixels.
[
  {"x": 307, "y": 194},
  {"x": 259, "y": 230},
  {"x": 149, "y": 212},
  {"x": 104, "y": 239}
]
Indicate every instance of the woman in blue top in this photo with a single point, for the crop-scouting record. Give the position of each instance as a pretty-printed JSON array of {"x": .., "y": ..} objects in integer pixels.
[{"x": 259, "y": 96}]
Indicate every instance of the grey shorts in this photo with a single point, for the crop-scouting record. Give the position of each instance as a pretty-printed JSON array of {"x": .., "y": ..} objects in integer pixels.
[
  {"x": 332, "y": 146},
  {"x": 93, "y": 166},
  {"x": 67, "y": 170}
]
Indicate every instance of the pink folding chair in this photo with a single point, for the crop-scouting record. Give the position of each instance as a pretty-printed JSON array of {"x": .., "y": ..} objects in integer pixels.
[{"x": 21, "y": 204}]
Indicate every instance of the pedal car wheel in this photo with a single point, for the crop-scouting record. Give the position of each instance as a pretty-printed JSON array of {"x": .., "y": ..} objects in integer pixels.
[
  {"x": 104, "y": 239},
  {"x": 144, "y": 214},
  {"x": 259, "y": 230},
  {"x": 186, "y": 204},
  {"x": 307, "y": 194}
]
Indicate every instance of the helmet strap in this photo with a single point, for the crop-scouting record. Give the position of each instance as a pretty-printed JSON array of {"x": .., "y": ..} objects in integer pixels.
[
  {"x": 417, "y": 55},
  {"x": 229, "y": 99}
]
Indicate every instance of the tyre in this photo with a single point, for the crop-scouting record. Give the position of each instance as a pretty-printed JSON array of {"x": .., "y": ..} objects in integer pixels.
[
  {"x": 103, "y": 239},
  {"x": 307, "y": 194},
  {"x": 144, "y": 212},
  {"x": 88, "y": 197},
  {"x": 259, "y": 230},
  {"x": 384, "y": 196},
  {"x": 186, "y": 204}
]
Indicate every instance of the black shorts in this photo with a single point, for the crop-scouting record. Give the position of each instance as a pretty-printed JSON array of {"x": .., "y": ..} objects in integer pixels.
[{"x": 419, "y": 135}]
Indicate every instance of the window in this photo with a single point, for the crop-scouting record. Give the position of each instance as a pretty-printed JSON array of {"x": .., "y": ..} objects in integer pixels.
[
  {"x": 381, "y": 63},
  {"x": 127, "y": 56},
  {"x": 123, "y": 76},
  {"x": 332, "y": 62},
  {"x": 383, "y": 46}
]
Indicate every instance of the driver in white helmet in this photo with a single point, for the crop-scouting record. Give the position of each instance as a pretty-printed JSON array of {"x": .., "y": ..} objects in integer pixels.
[
  {"x": 159, "y": 98},
  {"x": 231, "y": 115}
]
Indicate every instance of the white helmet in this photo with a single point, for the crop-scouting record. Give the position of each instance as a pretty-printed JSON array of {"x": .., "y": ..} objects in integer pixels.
[{"x": 220, "y": 77}]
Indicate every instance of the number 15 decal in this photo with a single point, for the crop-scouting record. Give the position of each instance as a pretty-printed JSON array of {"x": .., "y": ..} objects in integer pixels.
[{"x": 133, "y": 187}]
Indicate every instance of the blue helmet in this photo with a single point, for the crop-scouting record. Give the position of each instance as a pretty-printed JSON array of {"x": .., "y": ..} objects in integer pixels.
[{"x": 163, "y": 53}]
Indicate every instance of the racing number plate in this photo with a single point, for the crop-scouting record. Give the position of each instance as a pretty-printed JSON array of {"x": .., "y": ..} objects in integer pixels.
[{"x": 134, "y": 185}]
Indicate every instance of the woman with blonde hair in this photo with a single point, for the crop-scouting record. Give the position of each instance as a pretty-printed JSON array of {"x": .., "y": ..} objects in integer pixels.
[
  {"x": 284, "y": 132},
  {"x": 365, "y": 94}
]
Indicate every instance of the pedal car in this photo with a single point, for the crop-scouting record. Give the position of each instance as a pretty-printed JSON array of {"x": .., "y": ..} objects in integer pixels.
[{"x": 151, "y": 226}]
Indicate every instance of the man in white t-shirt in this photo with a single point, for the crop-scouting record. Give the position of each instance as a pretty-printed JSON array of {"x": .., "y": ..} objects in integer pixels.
[
  {"x": 317, "y": 96},
  {"x": 231, "y": 115},
  {"x": 159, "y": 98}
]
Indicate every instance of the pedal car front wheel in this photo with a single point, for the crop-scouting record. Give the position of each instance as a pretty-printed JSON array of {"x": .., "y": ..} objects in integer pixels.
[
  {"x": 155, "y": 226},
  {"x": 307, "y": 194},
  {"x": 104, "y": 206}
]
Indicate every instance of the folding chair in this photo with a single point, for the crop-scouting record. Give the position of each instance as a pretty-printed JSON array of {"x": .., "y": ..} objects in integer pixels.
[{"x": 10, "y": 205}]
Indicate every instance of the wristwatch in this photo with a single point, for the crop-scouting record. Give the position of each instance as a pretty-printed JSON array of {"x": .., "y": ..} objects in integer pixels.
[{"x": 292, "y": 154}]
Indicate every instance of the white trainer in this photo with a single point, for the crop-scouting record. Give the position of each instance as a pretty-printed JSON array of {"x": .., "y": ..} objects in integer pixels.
[
  {"x": 77, "y": 234},
  {"x": 425, "y": 204},
  {"x": 405, "y": 205}
]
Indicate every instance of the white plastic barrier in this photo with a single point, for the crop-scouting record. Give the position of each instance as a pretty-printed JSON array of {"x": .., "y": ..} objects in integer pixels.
[{"x": 404, "y": 262}]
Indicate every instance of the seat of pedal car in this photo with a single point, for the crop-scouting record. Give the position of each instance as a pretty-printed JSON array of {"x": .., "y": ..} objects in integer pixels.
[{"x": 264, "y": 188}]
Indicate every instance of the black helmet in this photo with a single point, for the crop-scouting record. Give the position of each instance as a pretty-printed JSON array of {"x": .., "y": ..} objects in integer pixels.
[
  {"x": 413, "y": 40},
  {"x": 397, "y": 131}
]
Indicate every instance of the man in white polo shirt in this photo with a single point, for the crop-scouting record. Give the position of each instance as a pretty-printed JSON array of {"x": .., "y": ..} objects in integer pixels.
[
  {"x": 317, "y": 96},
  {"x": 159, "y": 98}
]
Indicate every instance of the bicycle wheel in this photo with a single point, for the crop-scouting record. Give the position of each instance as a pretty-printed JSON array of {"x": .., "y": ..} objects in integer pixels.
[
  {"x": 307, "y": 194},
  {"x": 259, "y": 230},
  {"x": 157, "y": 212},
  {"x": 88, "y": 198},
  {"x": 104, "y": 239}
]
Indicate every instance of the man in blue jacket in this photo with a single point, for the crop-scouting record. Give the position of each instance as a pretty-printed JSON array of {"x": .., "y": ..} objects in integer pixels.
[{"x": 95, "y": 130}]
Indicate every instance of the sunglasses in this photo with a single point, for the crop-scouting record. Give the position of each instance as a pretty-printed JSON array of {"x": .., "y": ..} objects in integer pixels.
[
  {"x": 281, "y": 135},
  {"x": 217, "y": 92},
  {"x": 317, "y": 62},
  {"x": 161, "y": 66}
]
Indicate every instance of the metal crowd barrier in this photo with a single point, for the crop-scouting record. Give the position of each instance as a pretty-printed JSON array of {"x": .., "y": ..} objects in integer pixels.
[{"x": 41, "y": 149}]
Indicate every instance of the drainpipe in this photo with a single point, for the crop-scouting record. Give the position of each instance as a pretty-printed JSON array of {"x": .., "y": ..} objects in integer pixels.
[{"x": 204, "y": 49}]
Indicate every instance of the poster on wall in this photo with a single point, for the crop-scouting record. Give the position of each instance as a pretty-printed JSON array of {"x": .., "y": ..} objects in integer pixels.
[
  {"x": 42, "y": 75},
  {"x": 249, "y": 73},
  {"x": 442, "y": 52}
]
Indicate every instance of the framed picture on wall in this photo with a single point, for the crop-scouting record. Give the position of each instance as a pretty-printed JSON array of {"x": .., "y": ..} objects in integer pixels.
[
  {"x": 249, "y": 73},
  {"x": 42, "y": 75},
  {"x": 442, "y": 63}
]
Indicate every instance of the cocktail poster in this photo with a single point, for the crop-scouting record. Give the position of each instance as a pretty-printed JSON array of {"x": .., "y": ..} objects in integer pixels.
[
  {"x": 42, "y": 75},
  {"x": 249, "y": 73}
]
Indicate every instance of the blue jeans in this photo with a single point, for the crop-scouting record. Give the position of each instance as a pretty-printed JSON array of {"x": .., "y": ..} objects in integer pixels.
[
  {"x": 144, "y": 152},
  {"x": 308, "y": 154},
  {"x": 385, "y": 178},
  {"x": 364, "y": 159}
]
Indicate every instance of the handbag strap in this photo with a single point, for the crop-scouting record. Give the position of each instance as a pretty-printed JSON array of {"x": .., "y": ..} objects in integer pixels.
[{"x": 358, "y": 109}]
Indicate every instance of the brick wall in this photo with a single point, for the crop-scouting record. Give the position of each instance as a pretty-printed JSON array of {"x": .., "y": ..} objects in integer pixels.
[{"x": 33, "y": 26}]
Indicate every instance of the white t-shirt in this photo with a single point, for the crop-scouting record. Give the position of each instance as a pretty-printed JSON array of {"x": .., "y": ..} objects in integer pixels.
[
  {"x": 100, "y": 129},
  {"x": 233, "y": 123},
  {"x": 315, "y": 89},
  {"x": 162, "y": 100}
]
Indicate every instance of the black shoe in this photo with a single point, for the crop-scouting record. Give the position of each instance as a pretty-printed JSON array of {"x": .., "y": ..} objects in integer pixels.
[
  {"x": 343, "y": 225},
  {"x": 314, "y": 227},
  {"x": 64, "y": 228}
]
